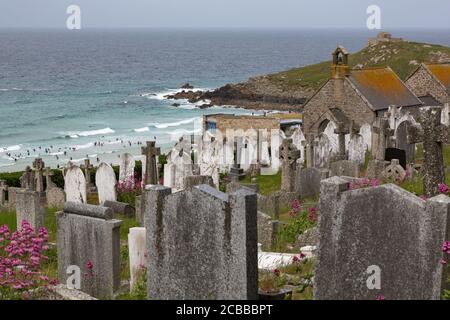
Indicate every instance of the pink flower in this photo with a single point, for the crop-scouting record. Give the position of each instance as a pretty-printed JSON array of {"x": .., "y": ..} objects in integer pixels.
[
  {"x": 90, "y": 265},
  {"x": 381, "y": 297},
  {"x": 277, "y": 272},
  {"x": 444, "y": 189}
]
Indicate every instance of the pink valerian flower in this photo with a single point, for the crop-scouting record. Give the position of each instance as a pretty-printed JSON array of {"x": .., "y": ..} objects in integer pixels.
[
  {"x": 444, "y": 189},
  {"x": 89, "y": 265},
  {"x": 446, "y": 247},
  {"x": 423, "y": 197},
  {"x": 296, "y": 207},
  {"x": 299, "y": 258},
  {"x": 363, "y": 183},
  {"x": 277, "y": 272},
  {"x": 312, "y": 214},
  {"x": 21, "y": 257}
]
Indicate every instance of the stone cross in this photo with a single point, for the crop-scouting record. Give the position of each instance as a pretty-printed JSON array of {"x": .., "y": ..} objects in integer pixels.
[
  {"x": 433, "y": 134},
  {"x": 342, "y": 130},
  {"x": 87, "y": 167},
  {"x": 151, "y": 152},
  {"x": 289, "y": 155},
  {"x": 48, "y": 174},
  {"x": 39, "y": 166},
  {"x": 26, "y": 180},
  {"x": 384, "y": 131}
]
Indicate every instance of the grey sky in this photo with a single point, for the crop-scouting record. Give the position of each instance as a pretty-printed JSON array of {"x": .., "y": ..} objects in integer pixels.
[{"x": 225, "y": 13}]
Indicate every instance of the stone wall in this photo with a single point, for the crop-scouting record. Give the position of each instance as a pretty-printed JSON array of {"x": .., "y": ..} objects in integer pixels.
[{"x": 336, "y": 93}]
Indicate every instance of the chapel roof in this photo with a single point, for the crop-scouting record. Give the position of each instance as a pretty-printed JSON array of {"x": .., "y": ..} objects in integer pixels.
[
  {"x": 382, "y": 88},
  {"x": 441, "y": 72}
]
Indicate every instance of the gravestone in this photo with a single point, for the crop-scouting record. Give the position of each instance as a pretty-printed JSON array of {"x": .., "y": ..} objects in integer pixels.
[
  {"x": 12, "y": 192},
  {"x": 380, "y": 233},
  {"x": 357, "y": 149},
  {"x": 275, "y": 143},
  {"x": 87, "y": 167},
  {"x": 127, "y": 164},
  {"x": 384, "y": 134},
  {"x": 394, "y": 171},
  {"x": 210, "y": 158},
  {"x": 192, "y": 181},
  {"x": 375, "y": 168},
  {"x": 75, "y": 184},
  {"x": 445, "y": 118},
  {"x": 56, "y": 197},
  {"x": 121, "y": 208},
  {"x": 345, "y": 168},
  {"x": 89, "y": 238},
  {"x": 183, "y": 168},
  {"x": 289, "y": 155},
  {"x": 38, "y": 166},
  {"x": 342, "y": 130},
  {"x": 215, "y": 232},
  {"x": 106, "y": 182},
  {"x": 27, "y": 179},
  {"x": 402, "y": 142},
  {"x": 267, "y": 231},
  {"x": 433, "y": 134},
  {"x": 28, "y": 207},
  {"x": 137, "y": 254},
  {"x": 3, "y": 192},
  {"x": 48, "y": 174},
  {"x": 308, "y": 181},
  {"x": 151, "y": 172},
  {"x": 394, "y": 153},
  {"x": 139, "y": 205}
]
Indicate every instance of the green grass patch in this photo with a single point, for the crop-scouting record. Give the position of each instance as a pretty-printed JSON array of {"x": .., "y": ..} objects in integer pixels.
[{"x": 266, "y": 184}]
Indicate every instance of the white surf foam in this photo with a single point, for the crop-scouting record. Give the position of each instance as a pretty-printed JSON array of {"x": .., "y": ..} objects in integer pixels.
[
  {"x": 145, "y": 129},
  {"x": 162, "y": 94},
  {"x": 10, "y": 148},
  {"x": 174, "y": 124},
  {"x": 77, "y": 134}
]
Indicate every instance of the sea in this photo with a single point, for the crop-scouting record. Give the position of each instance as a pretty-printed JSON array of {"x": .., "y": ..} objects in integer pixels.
[{"x": 70, "y": 95}]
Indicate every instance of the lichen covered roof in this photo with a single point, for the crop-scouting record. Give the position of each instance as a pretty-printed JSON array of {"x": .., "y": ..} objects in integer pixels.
[
  {"x": 441, "y": 72},
  {"x": 383, "y": 88}
]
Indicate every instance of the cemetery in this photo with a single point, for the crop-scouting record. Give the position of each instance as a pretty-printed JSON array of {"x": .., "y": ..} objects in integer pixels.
[{"x": 331, "y": 204}]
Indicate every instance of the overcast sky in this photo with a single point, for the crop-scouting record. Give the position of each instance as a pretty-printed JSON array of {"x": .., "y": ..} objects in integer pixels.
[{"x": 225, "y": 13}]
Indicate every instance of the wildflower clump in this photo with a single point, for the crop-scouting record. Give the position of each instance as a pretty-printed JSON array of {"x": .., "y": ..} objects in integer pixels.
[{"x": 21, "y": 260}]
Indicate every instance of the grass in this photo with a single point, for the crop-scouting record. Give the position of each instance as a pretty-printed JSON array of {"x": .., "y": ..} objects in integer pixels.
[
  {"x": 266, "y": 184},
  {"x": 396, "y": 55}
]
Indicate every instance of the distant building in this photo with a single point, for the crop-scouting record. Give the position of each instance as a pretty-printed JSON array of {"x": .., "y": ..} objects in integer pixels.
[
  {"x": 361, "y": 95},
  {"x": 431, "y": 82},
  {"x": 383, "y": 37}
]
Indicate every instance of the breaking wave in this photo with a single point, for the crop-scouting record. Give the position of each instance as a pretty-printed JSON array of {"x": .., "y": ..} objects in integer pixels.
[{"x": 77, "y": 134}]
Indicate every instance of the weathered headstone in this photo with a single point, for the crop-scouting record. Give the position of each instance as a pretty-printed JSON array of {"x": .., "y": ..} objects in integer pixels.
[
  {"x": 375, "y": 168},
  {"x": 56, "y": 197},
  {"x": 127, "y": 164},
  {"x": 87, "y": 167},
  {"x": 105, "y": 180},
  {"x": 402, "y": 142},
  {"x": 137, "y": 254},
  {"x": 120, "y": 208},
  {"x": 384, "y": 134},
  {"x": 357, "y": 149},
  {"x": 433, "y": 134},
  {"x": 379, "y": 241},
  {"x": 150, "y": 152},
  {"x": 289, "y": 155},
  {"x": 342, "y": 130},
  {"x": 48, "y": 174},
  {"x": 308, "y": 181},
  {"x": 267, "y": 231},
  {"x": 345, "y": 168},
  {"x": 38, "y": 166},
  {"x": 75, "y": 184},
  {"x": 12, "y": 192},
  {"x": 215, "y": 232},
  {"x": 28, "y": 207},
  {"x": 27, "y": 179},
  {"x": 89, "y": 238},
  {"x": 3, "y": 192}
]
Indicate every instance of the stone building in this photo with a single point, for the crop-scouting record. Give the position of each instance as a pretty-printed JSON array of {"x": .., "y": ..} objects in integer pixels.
[
  {"x": 355, "y": 100},
  {"x": 383, "y": 37},
  {"x": 431, "y": 82}
]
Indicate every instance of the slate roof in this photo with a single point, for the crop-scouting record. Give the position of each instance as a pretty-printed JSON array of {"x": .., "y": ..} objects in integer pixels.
[
  {"x": 430, "y": 101},
  {"x": 441, "y": 72},
  {"x": 382, "y": 88}
]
